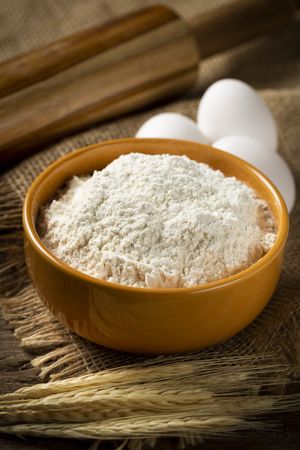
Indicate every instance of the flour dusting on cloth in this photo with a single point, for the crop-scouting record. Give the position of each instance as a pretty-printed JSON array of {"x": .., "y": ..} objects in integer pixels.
[{"x": 157, "y": 221}]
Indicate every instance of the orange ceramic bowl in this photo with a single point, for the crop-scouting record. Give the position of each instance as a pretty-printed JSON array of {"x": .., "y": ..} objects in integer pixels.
[{"x": 143, "y": 319}]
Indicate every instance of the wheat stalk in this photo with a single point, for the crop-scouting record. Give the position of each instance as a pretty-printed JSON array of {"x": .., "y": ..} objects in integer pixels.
[
  {"x": 196, "y": 393},
  {"x": 206, "y": 373},
  {"x": 134, "y": 427}
]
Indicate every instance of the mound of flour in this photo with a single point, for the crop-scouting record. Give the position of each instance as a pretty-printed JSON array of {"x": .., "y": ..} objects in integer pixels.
[{"x": 157, "y": 221}]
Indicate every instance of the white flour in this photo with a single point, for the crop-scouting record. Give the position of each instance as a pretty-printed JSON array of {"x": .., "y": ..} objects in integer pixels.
[{"x": 157, "y": 221}]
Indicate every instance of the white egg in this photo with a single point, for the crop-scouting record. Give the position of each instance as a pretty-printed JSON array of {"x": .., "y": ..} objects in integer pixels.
[
  {"x": 232, "y": 107},
  {"x": 240, "y": 146},
  {"x": 171, "y": 126},
  {"x": 271, "y": 164}
]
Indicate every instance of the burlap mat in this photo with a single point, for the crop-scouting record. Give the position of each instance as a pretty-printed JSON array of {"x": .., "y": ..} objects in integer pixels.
[{"x": 271, "y": 65}]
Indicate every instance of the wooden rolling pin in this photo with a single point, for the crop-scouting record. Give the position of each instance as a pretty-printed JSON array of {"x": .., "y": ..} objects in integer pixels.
[{"x": 145, "y": 57}]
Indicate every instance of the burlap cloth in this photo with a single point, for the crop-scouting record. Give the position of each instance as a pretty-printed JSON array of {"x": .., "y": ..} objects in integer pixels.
[{"x": 270, "y": 64}]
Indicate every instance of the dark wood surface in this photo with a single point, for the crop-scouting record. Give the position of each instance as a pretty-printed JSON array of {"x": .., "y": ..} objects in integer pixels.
[{"x": 16, "y": 371}]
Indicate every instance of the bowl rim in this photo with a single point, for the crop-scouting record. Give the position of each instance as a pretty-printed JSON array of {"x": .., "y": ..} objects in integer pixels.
[{"x": 32, "y": 235}]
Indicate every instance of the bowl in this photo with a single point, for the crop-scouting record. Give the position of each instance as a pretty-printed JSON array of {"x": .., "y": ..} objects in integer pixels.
[{"x": 146, "y": 320}]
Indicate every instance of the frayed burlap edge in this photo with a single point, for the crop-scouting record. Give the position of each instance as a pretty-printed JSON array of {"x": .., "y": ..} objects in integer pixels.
[
  {"x": 59, "y": 354},
  {"x": 12, "y": 263}
]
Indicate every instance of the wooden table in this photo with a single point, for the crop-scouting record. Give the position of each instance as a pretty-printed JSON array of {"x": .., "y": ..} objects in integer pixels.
[{"x": 16, "y": 371}]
